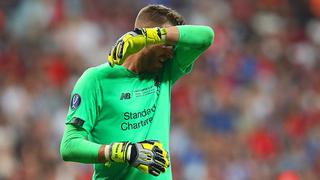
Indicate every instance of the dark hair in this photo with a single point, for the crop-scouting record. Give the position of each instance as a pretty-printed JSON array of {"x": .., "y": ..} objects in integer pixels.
[{"x": 157, "y": 15}]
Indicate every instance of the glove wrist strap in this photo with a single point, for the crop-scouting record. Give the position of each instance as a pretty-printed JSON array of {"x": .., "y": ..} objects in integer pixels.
[
  {"x": 155, "y": 35},
  {"x": 118, "y": 152},
  {"x": 162, "y": 33}
]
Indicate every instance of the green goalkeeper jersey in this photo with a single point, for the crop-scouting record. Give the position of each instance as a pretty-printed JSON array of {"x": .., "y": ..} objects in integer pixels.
[{"x": 116, "y": 104}]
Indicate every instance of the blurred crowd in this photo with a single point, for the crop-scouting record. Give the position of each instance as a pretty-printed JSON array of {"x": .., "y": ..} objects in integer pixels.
[{"x": 250, "y": 109}]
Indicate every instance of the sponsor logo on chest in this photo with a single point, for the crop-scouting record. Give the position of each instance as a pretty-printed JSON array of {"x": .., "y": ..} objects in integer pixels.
[{"x": 125, "y": 96}]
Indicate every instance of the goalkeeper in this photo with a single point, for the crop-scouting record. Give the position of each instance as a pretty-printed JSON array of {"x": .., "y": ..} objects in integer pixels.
[{"x": 119, "y": 114}]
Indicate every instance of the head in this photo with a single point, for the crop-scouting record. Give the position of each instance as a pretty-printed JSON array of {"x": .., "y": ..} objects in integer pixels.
[
  {"x": 152, "y": 58},
  {"x": 156, "y": 15}
]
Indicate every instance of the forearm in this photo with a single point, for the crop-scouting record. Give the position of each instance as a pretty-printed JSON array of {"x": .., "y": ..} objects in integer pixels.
[
  {"x": 195, "y": 36},
  {"x": 192, "y": 42},
  {"x": 74, "y": 147},
  {"x": 172, "y": 36}
]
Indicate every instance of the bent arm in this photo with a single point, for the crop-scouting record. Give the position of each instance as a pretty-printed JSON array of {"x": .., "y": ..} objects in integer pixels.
[
  {"x": 193, "y": 41},
  {"x": 75, "y": 147},
  {"x": 190, "y": 42},
  {"x": 195, "y": 36}
]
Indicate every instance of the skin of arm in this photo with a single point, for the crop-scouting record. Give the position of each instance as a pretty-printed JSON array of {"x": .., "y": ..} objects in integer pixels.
[
  {"x": 190, "y": 35},
  {"x": 172, "y": 35}
]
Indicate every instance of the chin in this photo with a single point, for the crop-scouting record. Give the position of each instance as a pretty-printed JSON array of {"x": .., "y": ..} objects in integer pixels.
[{"x": 155, "y": 68}]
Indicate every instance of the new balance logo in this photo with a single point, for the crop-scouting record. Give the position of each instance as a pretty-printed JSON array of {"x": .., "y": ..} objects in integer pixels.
[{"x": 125, "y": 96}]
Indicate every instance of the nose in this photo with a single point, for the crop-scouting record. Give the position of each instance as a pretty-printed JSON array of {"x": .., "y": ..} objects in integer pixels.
[
  {"x": 162, "y": 59},
  {"x": 167, "y": 53}
]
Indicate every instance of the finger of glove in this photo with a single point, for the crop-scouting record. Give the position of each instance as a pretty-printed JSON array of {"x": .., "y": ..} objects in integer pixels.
[
  {"x": 158, "y": 167},
  {"x": 158, "y": 144},
  {"x": 116, "y": 52},
  {"x": 161, "y": 151},
  {"x": 111, "y": 58},
  {"x": 163, "y": 159},
  {"x": 120, "y": 49},
  {"x": 160, "y": 160},
  {"x": 113, "y": 53},
  {"x": 124, "y": 50},
  {"x": 150, "y": 141},
  {"x": 154, "y": 171},
  {"x": 163, "y": 165},
  {"x": 119, "y": 52},
  {"x": 138, "y": 31},
  {"x": 113, "y": 48}
]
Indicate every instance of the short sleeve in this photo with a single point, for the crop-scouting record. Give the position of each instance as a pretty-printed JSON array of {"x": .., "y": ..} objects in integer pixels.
[{"x": 83, "y": 106}]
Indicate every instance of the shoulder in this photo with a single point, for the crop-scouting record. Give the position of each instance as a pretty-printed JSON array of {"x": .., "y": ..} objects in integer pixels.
[
  {"x": 91, "y": 75},
  {"x": 104, "y": 71},
  {"x": 95, "y": 72}
]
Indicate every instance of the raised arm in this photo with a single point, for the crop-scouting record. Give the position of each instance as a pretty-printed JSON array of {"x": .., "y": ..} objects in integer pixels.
[
  {"x": 192, "y": 37},
  {"x": 195, "y": 36},
  {"x": 190, "y": 41}
]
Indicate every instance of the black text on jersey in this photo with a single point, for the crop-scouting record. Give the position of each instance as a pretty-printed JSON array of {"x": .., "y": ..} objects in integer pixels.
[{"x": 125, "y": 96}]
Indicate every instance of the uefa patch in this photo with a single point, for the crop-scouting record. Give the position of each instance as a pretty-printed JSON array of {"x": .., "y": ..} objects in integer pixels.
[{"x": 75, "y": 101}]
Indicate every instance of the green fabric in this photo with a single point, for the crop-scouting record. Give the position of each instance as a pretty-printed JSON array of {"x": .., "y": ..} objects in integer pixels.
[
  {"x": 119, "y": 105},
  {"x": 193, "y": 41},
  {"x": 75, "y": 147}
]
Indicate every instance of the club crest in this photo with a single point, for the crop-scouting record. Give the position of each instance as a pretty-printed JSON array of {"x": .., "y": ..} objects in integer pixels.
[{"x": 75, "y": 101}]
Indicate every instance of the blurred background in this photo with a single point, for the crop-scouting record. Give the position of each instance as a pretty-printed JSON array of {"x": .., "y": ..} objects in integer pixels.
[{"x": 250, "y": 110}]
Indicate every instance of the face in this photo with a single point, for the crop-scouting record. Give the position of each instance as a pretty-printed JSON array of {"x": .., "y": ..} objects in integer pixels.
[{"x": 153, "y": 58}]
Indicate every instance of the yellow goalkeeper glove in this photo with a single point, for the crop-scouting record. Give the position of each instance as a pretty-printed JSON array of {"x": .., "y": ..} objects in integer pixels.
[
  {"x": 134, "y": 41},
  {"x": 148, "y": 156}
]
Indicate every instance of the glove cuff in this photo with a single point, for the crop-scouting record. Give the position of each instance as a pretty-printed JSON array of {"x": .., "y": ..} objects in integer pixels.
[
  {"x": 162, "y": 33},
  {"x": 119, "y": 151},
  {"x": 155, "y": 35},
  {"x": 133, "y": 154}
]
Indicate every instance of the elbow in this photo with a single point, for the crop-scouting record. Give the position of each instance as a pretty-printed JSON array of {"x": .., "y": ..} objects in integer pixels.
[
  {"x": 208, "y": 35},
  {"x": 65, "y": 155}
]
